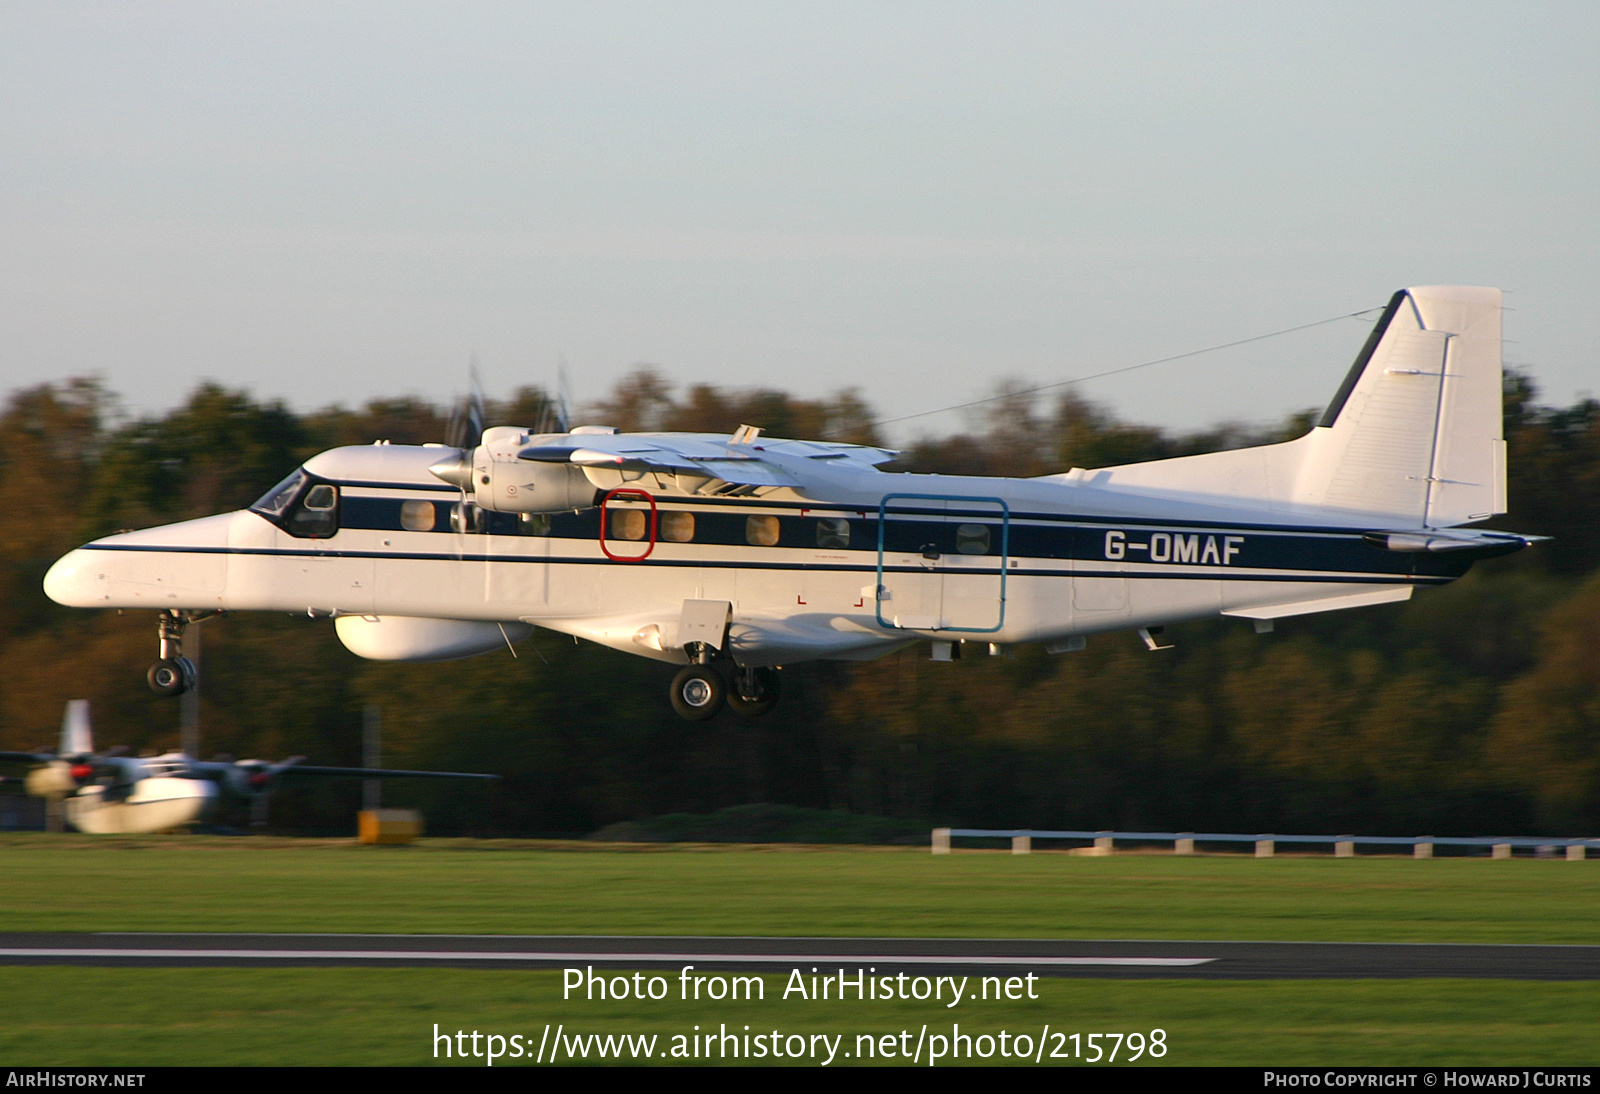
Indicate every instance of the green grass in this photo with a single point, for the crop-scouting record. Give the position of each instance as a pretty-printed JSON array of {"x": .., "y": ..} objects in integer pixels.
[
  {"x": 129, "y": 1017},
  {"x": 218, "y": 884}
]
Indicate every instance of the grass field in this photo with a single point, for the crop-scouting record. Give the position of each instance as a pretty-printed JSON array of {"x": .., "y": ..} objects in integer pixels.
[
  {"x": 130, "y": 1017},
  {"x": 81, "y": 883}
]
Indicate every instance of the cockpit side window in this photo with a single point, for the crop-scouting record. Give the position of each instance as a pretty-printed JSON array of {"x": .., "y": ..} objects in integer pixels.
[
  {"x": 316, "y": 515},
  {"x": 321, "y": 498}
]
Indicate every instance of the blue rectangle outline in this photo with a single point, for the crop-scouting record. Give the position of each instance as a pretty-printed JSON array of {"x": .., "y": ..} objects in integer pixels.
[{"x": 1005, "y": 556}]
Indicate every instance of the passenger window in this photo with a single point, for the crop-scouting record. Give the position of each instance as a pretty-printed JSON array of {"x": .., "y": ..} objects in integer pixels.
[
  {"x": 417, "y": 516},
  {"x": 628, "y": 523},
  {"x": 833, "y": 532},
  {"x": 533, "y": 524},
  {"x": 317, "y": 514},
  {"x": 761, "y": 531},
  {"x": 466, "y": 517},
  {"x": 677, "y": 527},
  {"x": 972, "y": 539}
]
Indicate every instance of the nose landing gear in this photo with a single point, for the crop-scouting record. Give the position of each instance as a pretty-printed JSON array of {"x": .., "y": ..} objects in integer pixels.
[{"x": 173, "y": 673}]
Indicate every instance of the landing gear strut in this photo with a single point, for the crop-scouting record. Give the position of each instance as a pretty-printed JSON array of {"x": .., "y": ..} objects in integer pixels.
[
  {"x": 173, "y": 673},
  {"x": 755, "y": 691}
]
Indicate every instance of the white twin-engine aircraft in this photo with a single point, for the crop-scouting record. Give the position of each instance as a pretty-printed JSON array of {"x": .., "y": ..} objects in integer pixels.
[
  {"x": 112, "y": 792},
  {"x": 736, "y": 555}
]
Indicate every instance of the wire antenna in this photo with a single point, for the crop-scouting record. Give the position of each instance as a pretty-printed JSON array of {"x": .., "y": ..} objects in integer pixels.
[{"x": 1124, "y": 368}]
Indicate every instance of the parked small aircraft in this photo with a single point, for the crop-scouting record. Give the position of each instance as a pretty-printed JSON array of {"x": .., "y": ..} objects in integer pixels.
[
  {"x": 735, "y": 555},
  {"x": 110, "y": 792}
]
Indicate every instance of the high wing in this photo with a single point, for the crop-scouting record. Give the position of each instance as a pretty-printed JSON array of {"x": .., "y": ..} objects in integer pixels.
[
  {"x": 745, "y": 459},
  {"x": 295, "y": 768},
  {"x": 213, "y": 769}
]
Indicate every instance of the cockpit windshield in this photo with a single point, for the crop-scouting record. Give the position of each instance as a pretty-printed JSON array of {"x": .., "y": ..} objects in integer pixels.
[
  {"x": 277, "y": 500},
  {"x": 302, "y": 506}
]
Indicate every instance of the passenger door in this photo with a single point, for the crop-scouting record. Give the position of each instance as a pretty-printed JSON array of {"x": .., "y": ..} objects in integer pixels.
[{"x": 942, "y": 562}]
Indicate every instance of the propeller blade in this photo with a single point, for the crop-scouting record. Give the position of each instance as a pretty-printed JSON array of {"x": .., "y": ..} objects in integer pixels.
[
  {"x": 477, "y": 416},
  {"x": 468, "y": 418},
  {"x": 279, "y": 768},
  {"x": 560, "y": 412}
]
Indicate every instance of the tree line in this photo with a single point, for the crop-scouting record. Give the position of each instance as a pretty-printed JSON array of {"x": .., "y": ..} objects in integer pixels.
[{"x": 1470, "y": 709}]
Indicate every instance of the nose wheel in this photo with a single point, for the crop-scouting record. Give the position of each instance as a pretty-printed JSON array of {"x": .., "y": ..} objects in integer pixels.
[
  {"x": 172, "y": 673},
  {"x": 171, "y": 676}
]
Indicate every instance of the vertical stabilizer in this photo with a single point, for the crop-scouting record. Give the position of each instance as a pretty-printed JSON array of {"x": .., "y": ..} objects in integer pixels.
[
  {"x": 1414, "y": 433},
  {"x": 75, "y": 736},
  {"x": 1412, "y": 439}
]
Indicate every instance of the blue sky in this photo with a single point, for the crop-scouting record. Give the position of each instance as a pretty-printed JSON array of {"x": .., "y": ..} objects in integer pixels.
[{"x": 333, "y": 201}]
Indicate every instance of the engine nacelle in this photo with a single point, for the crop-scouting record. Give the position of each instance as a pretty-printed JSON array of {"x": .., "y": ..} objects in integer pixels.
[
  {"x": 517, "y": 486},
  {"x": 53, "y": 778},
  {"x": 406, "y": 638},
  {"x": 499, "y": 481},
  {"x": 246, "y": 779}
]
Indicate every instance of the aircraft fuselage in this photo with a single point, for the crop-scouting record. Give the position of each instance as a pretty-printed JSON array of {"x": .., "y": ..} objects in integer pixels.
[{"x": 860, "y": 563}]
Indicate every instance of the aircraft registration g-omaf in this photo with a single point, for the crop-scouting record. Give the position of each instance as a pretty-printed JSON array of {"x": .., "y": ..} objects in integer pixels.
[
  {"x": 110, "y": 792},
  {"x": 735, "y": 555}
]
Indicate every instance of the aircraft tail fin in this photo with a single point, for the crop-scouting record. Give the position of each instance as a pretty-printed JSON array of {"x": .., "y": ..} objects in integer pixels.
[
  {"x": 76, "y": 739},
  {"x": 1415, "y": 430},
  {"x": 1413, "y": 436}
]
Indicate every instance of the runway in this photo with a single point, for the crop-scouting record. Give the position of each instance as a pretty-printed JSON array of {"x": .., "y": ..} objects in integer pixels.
[{"x": 958, "y": 956}]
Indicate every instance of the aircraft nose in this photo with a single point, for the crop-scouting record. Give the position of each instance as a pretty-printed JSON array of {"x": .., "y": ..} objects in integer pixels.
[{"x": 74, "y": 580}]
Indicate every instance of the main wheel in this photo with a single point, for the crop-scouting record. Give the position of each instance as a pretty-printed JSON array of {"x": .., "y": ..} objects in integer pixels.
[
  {"x": 170, "y": 676},
  {"x": 698, "y": 693},
  {"x": 754, "y": 692}
]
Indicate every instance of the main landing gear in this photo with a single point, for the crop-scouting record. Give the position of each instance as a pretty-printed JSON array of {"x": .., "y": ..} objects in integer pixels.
[
  {"x": 755, "y": 691},
  {"x": 700, "y": 690},
  {"x": 173, "y": 673}
]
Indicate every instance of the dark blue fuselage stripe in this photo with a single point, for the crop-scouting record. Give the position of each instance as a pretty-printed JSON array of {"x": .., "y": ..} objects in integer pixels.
[
  {"x": 1061, "y": 539},
  {"x": 431, "y": 487},
  {"x": 867, "y": 510},
  {"x": 1215, "y": 574}
]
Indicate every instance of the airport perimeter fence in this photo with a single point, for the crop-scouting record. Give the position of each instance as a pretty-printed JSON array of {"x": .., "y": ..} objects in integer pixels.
[{"x": 1183, "y": 843}]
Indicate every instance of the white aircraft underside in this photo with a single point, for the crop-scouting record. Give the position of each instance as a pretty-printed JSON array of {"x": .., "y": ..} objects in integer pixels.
[{"x": 771, "y": 552}]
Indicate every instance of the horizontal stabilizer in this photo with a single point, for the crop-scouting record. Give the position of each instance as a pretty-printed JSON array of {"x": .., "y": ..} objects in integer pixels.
[
  {"x": 1458, "y": 541},
  {"x": 383, "y": 773},
  {"x": 1323, "y": 604}
]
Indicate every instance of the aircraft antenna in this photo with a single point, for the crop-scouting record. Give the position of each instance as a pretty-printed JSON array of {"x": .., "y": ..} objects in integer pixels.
[{"x": 1124, "y": 368}]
